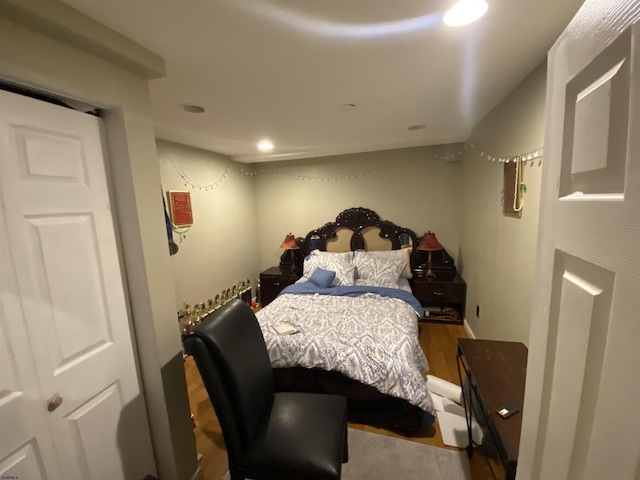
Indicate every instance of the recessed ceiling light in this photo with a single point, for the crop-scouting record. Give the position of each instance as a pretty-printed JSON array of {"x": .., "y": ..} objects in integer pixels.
[
  {"x": 191, "y": 108},
  {"x": 465, "y": 12},
  {"x": 417, "y": 127},
  {"x": 347, "y": 107},
  {"x": 265, "y": 145}
]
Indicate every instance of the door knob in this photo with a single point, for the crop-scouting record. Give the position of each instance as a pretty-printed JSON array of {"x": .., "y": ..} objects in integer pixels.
[{"x": 54, "y": 402}]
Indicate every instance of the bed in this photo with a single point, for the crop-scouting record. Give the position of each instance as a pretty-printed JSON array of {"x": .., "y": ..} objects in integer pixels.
[{"x": 349, "y": 325}]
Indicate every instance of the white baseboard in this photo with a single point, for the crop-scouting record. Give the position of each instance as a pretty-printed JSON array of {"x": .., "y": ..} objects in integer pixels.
[
  {"x": 468, "y": 329},
  {"x": 197, "y": 474}
]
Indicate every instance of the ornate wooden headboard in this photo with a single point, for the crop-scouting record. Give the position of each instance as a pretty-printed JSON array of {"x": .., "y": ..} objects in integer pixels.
[{"x": 358, "y": 228}]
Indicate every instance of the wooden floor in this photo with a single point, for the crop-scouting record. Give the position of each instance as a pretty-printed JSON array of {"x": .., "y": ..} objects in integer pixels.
[{"x": 437, "y": 340}]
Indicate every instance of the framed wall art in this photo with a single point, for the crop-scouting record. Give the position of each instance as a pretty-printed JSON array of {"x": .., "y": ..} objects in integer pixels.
[{"x": 180, "y": 208}]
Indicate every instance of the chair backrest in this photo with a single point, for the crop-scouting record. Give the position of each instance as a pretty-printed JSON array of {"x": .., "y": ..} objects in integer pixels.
[{"x": 232, "y": 358}]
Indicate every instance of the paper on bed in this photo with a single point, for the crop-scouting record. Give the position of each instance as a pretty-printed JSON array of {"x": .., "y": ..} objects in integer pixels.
[
  {"x": 285, "y": 328},
  {"x": 454, "y": 430},
  {"x": 444, "y": 388}
]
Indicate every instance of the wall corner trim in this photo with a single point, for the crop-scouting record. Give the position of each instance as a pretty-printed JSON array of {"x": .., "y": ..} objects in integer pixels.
[{"x": 467, "y": 327}]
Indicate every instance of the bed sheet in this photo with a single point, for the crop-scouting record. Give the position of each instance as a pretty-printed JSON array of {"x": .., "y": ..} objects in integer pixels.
[{"x": 369, "y": 338}]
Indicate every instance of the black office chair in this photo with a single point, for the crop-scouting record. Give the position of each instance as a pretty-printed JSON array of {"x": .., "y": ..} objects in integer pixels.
[{"x": 268, "y": 435}]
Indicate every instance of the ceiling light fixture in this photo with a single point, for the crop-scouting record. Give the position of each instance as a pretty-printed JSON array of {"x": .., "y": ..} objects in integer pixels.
[
  {"x": 191, "y": 108},
  {"x": 265, "y": 145},
  {"x": 465, "y": 12}
]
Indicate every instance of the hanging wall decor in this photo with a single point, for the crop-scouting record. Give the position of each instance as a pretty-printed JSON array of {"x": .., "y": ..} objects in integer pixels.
[
  {"x": 180, "y": 208},
  {"x": 513, "y": 188}
]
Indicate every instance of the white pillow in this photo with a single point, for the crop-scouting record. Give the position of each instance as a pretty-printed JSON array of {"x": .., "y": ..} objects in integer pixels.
[
  {"x": 346, "y": 257},
  {"x": 345, "y": 272},
  {"x": 376, "y": 268},
  {"x": 401, "y": 255}
]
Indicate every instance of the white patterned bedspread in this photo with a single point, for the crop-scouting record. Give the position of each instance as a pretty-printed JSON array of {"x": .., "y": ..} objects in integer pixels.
[{"x": 370, "y": 338}]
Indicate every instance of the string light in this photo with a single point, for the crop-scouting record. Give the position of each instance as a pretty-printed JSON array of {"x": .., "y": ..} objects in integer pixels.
[
  {"x": 524, "y": 157},
  {"x": 193, "y": 184},
  {"x": 328, "y": 178},
  {"x": 448, "y": 157}
]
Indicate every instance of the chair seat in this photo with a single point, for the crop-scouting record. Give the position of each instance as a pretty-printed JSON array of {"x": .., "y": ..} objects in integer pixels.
[{"x": 298, "y": 445}]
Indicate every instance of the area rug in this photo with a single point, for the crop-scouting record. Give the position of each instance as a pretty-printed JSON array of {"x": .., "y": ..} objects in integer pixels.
[{"x": 378, "y": 457}]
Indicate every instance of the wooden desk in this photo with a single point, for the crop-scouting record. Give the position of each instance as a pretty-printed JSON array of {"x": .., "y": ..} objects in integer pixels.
[{"x": 496, "y": 373}]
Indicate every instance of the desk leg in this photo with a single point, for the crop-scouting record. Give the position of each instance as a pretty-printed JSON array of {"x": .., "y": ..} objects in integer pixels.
[{"x": 467, "y": 408}]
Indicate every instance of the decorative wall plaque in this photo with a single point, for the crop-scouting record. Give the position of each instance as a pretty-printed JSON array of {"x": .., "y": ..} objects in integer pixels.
[{"x": 180, "y": 208}]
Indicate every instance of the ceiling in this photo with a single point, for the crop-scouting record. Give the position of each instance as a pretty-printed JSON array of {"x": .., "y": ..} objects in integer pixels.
[{"x": 285, "y": 69}]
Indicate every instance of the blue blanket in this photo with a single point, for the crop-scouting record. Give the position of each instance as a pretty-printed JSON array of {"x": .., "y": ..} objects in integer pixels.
[{"x": 355, "y": 291}]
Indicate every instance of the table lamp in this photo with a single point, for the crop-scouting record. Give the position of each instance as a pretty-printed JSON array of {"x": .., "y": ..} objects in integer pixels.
[
  {"x": 429, "y": 243},
  {"x": 288, "y": 258}
]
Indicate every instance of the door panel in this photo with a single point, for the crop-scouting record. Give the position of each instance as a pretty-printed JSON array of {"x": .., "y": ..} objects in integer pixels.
[
  {"x": 9, "y": 386},
  {"x": 582, "y": 384},
  {"x": 27, "y": 452},
  {"x": 62, "y": 242},
  {"x": 25, "y": 462},
  {"x": 93, "y": 447},
  {"x": 35, "y": 147},
  {"x": 596, "y": 123},
  {"x": 581, "y": 296},
  {"x": 70, "y": 290}
]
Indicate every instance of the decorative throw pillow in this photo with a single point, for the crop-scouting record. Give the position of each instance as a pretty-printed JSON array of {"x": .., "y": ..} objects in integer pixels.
[
  {"x": 344, "y": 271},
  {"x": 322, "y": 278},
  {"x": 383, "y": 270}
]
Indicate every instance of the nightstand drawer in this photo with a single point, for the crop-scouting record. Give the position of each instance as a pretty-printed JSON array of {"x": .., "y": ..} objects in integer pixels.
[
  {"x": 277, "y": 283},
  {"x": 273, "y": 281},
  {"x": 439, "y": 292},
  {"x": 447, "y": 294},
  {"x": 270, "y": 288}
]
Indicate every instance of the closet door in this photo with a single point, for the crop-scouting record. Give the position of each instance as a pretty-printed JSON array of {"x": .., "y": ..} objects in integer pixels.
[
  {"x": 65, "y": 300},
  {"x": 25, "y": 441}
]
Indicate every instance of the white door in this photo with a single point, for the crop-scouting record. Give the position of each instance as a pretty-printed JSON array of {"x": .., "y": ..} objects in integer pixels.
[
  {"x": 64, "y": 327},
  {"x": 582, "y": 396}
]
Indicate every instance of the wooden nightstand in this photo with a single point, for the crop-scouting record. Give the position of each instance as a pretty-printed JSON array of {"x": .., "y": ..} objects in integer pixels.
[
  {"x": 273, "y": 280},
  {"x": 432, "y": 292}
]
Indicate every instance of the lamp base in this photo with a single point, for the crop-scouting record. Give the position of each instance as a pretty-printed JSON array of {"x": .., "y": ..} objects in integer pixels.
[{"x": 288, "y": 260}]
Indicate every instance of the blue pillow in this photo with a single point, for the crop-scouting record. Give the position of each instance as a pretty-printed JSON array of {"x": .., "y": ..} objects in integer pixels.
[{"x": 322, "y": 278}]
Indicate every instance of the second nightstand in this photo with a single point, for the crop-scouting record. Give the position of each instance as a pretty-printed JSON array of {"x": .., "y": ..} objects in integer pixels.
[
  {"x": 432, "y": 292},
  {"x": 273, "y": 280}
]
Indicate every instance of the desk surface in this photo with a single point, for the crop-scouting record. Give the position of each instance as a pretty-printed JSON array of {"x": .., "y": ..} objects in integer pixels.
[{"x": 498, "y": 372}]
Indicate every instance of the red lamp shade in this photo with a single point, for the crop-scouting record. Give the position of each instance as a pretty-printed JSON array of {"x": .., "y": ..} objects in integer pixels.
[
  {"x": 429, "y": 242},
  {"x": 289, "y": 242}
]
